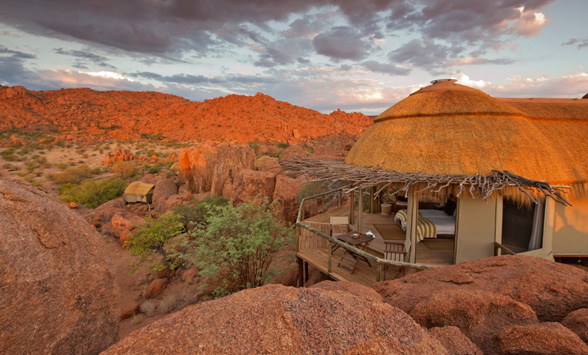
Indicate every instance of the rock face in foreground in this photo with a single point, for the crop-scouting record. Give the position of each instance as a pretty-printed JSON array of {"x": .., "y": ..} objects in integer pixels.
[
  {"x": 330, "y": 318},
  {"x": 553, "y": 290},
  {"x": 57, "y": 292}
]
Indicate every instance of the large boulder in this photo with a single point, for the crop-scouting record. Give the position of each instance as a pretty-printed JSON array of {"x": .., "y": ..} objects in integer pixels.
[
  {"x": 293, "y": 152},
  {"x": 58, "y": 293},
  {"x": 251, "y": 184},
  {"x": 577, "y": 321},
  {"x": 478, "y": 314},
  {"x": 552, "y": 289},
  {"x": 285, "y": 193},
  {"x": 544, "y": 338},
  {"x": 163, "y": 189},
  {"x": 339, "y": 318},
  {"x": 207, "y": 167},
  {"x": 103, "y": 213}
]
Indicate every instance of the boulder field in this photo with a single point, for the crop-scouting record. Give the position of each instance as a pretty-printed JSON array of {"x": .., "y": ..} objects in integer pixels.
[{"x": 58, "y": 294}]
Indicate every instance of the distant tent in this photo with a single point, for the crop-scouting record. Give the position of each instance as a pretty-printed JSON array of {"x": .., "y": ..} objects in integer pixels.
[{"x": 139, "y": 192}]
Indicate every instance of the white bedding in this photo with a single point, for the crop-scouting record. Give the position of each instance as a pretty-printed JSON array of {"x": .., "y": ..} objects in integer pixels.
[{"x": 445, "y": 224}]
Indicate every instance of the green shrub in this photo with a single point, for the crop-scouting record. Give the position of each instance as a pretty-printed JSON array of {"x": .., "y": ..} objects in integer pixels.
[
  {"x": 93, "y": 193},
  {"x": 237, "y": 247},
  {"x": 8, "y": 155},
  {"x": 156, "y": 168},
  {"x": 149, "y": 242},
  {"x": 283, "y": 145},
  {"x": 196, "y": 213}
]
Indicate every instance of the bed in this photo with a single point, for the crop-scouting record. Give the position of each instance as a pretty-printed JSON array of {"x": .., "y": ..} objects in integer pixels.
[{"x": 430, "y": 224}]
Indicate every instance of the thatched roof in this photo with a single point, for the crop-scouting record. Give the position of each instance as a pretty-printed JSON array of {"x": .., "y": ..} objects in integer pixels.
[
  {"x": 451, "y": 129},
  {"x": 138, "y": 188}
]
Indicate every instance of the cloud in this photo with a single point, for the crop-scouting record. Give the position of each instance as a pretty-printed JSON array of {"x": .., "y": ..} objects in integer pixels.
[
  {"x": 567, "y": 86},
  {"x": 18, "y": 55},
  {"x": 580, "y": 43},
  {"x": 342, "y": 42},
  {"x": 86, "y": 56},
  {"x": 385, "y": 68},
  {"x": 186, "y": 79}
]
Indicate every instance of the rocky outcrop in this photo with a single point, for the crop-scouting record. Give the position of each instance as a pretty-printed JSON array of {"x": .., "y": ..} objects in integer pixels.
[
  {"x": 249, "y": 185},
  {"x": 454, "y": 341},
  {"x": 478, "y": 314},
  {"x": 293, "y": 152},
  {"x": 58, "y": 294},
  {"x": 328, "y": 319},
  {"x": 553, "y": 290},
  {"x": 163, "y": 189},
  {"x": 285, "y": 195},
  {"x": 207, "y": 167},
  {"x": 127, "y": 115},
  {"x": 545, "y": 338},
  {"x": 119, "y": 154},
  {"x": 103, "y": 213}
]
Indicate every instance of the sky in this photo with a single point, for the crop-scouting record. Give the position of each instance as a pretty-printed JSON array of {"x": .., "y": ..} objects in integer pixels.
[{"x": 354, "y": 55}]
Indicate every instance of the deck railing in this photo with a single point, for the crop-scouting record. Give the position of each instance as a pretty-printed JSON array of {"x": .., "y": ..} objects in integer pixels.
[
  {"x": 500, "y": 249},
  {"x": 310, "y": 237}
]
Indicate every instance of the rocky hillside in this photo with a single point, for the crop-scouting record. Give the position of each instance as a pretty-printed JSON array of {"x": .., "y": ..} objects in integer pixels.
[{"x": 88, "y": 115}]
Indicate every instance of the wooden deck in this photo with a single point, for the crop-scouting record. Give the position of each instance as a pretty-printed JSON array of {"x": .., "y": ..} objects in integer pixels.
[{"x": 433, "y": 252}]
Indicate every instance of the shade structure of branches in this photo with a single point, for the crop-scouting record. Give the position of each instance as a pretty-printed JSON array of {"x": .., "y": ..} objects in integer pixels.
[{"x": 336, "y": 172}]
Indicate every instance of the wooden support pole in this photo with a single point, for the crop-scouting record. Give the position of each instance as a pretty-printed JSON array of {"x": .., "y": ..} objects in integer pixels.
[
  {"x": 340, "y": 198},
  {"x": 360, "y": 209},
  {"x": 300, "y": 282},
  {"x": 379, "y": 273},
  {"x": 352, "y": 208},
  {"x": 372, "y": 201},
  {"x": 330, "y": 258}
]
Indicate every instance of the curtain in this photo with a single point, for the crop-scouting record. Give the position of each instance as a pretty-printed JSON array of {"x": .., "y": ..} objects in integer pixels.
[{"x": 536, "y": 241}]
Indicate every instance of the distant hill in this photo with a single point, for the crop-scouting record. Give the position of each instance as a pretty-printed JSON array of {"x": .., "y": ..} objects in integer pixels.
[{"x": 89, "y": 115}]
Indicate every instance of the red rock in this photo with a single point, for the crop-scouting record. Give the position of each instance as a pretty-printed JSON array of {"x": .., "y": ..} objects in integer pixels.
[
  {"x": 478, "y": 314},
  {"x": 207, "y": 167},
  {"x": 129, "y": 310},
  {"x": 58, "y": 291},
  {"x": 552, "y": 289},
  {"x": 103, "y": 213},
  {"x": 155, "y": 288},
  {"x": 544, "y": 338},
  {"x": 455, "y": 341},
  {"x": 270, "y": 164},
  {"x": 276, "y": 319},
  {"x": 189, "y": 274},
  {"x": 577, "y": 321},
  {"x": 15, "y": 141},
  {"x": 163, "y": 189},
  {"x": 293, "y": 152},
  {"x": 249, "y": 185},
  {"x": 72, "y": 205},
  {"x": 285, "y": 194},
  {"x": 119, "y": 154}
]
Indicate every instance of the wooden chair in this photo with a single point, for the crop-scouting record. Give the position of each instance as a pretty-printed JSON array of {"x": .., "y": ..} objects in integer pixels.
[
  {"x": 339, "y": 225},
  {"x": 395, "y": 250}
]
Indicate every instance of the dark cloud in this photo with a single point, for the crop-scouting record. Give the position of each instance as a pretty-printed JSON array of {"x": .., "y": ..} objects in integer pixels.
[
  {"x": 579, "y": 43},
  {"x": 469, "y": 21},
  {"x": 425, "y": 54},
  {"x": 85, "y": 56},
  {"x": 18, "y": 55},
  {"x": 342, "y": 43},
  {"x": 385, "y": 68}
]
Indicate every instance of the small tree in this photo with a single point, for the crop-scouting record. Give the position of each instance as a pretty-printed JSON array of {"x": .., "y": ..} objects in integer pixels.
[
  {"x": 196, "y": 213},
  {"x": 149, "y": 242},
  {"x": 236, "y": 248}
]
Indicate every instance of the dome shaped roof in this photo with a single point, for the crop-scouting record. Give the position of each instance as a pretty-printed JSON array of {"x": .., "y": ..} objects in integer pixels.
[{"x": 447, "y": 128}]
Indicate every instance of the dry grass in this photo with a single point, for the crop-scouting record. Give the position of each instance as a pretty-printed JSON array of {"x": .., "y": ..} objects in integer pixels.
[{"x": 148, "y": 308}]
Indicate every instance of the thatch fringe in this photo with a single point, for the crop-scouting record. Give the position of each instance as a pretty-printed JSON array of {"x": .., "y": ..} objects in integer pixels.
[{"x": 335, "y": 171}]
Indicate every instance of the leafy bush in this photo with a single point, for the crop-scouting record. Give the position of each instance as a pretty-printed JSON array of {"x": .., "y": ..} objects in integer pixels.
[
  {"x": 155, "y": 168},
  {"x": 8, "y": 155},
  {"x": 236, "y": 248},
  {"x": 196, "y": 213},
  {"x": 124, "y": 169},
  {"x": 93, "y": 193},
  {"x": 283, "y": 145},
  {"x": 72, "y": 175},
  {"x": 149, "y": 242}
]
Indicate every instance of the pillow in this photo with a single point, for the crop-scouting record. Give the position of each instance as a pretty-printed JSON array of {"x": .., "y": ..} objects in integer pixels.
[{"x": 450, "y": 206}]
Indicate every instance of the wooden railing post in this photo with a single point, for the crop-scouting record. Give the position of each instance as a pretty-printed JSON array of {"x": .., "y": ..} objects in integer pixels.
[
  {"x": 378, "y": 272},
  {"x": 340, "y": 198}
]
